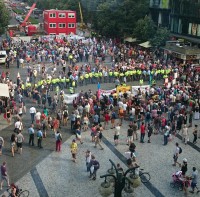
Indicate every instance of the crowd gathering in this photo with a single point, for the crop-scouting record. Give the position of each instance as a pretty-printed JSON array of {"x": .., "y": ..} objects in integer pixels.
[{"x": 167, "y": 107}]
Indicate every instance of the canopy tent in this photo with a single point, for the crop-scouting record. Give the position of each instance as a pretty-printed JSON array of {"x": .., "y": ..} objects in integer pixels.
[
  {"x": 4, "y": 91},
  {"x": 145, "y": 44},
  {"x": 130, "y": 39}
]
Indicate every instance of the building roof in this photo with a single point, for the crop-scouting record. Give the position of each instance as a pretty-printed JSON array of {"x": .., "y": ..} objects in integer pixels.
[
  {"x": 191, "y": 39},
  {"x": 54, "y": 10}
]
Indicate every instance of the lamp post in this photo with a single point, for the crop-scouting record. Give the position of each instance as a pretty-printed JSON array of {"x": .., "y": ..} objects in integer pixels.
[{"x": 120, "y": 180}]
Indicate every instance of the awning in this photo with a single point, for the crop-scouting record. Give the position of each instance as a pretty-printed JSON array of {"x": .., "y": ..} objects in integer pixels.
[
  {"x": 130, "y": 39},
  {"x": 4, "y": 91},
  {"x": 145, "y": 44}
]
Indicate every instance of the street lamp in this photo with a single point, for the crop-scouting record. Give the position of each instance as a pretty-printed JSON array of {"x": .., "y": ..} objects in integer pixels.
[{"x": 121, "y": 181}]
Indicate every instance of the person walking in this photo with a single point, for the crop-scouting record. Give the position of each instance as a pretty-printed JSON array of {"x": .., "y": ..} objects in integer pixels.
[
  {"x": 31, "y": 135},
  {"x": 150, "y": 131},
  {"x": 58, "y": 137},
  {"x": 74, "y": 149},
  {"x": 166, "y": 134},
  {"x": 20, "y": 139},
  {"x": 1, "y": 144},
  {"x": 12, "y": 143},
  {"x": 4, "y": 175},
  {"x": 130, "y": 135},
  {"x": 116, "y": 134},
  {"x": 185, "y": 137},
  {"x": 195, "y": 134},
  {"x": 177, "y": 151},
  {"x": 142, "y": 132},
  {"x": 98, "y": 138},
  {"x": 94, "y": 166},
  {"x": 39, "y": 136},
  {"x": 194, "y": 180},
  {"x": 88, "y": 156}
]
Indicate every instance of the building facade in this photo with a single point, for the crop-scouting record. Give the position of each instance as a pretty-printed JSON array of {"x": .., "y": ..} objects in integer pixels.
[
  {"x": 185, "y": 17},
  {"x": 160, "y": 12},
  {"x": 59, "y": 22}
]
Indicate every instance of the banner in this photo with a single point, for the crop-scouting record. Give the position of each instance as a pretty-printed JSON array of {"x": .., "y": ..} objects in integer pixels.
[
  {"x": 143, "y": 89},
  {"x": 123, "y": 89},
  {"x": 105, "y": 92},
  {"x": 68, "y": 98}
]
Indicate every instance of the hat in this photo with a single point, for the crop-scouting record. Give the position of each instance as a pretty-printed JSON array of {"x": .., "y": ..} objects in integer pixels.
[{"x": 185, "y": 160}]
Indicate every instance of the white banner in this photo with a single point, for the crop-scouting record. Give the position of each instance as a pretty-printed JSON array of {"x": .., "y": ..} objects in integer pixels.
[
  {"x": 143, "y": 89},
  {"x": 68, "y": 98},
  {"x": 105, "y": 92}
]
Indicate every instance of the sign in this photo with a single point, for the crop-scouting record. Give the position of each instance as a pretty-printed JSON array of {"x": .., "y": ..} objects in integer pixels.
[
  {"x": 105, "y": 92},
  {"x": 68, "y": 98},
  {"x": 143, "y": 89},
  {"x": 123, "y": 89}
]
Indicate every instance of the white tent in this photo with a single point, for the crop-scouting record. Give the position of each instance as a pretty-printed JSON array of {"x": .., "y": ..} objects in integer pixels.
[
  {"x": 146, "y": 44},
  {"x": 4, "y": 91},
  {"x": 130, "y": 39}
]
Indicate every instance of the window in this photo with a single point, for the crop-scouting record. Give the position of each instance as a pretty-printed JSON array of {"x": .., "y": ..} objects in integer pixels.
[
  {"x": 71, "y": 25},
  {"x": 71, "y": 15},
  {"x": 52, "y": 25},
  {"x": 62, "y": 25},
  {"x": 52, "y": 15},
  {"x": 61, "y": 15}
]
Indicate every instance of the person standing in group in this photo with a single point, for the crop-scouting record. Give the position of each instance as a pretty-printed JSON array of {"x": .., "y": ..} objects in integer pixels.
[
  {"x": 166, "y": 134},
  {"x": 39, "y": 136},
  {"x": 195, "y": 134},
  {"x": 31, "y": 135},
  {"x": 4, "y": 175},
  {"x": 88, "y": 155},
  {"x": 12, "y": 143},
  {"x": 20, "y": 139},
  {"x": 32, "y": 111},
  {"x": 1, "y": 144},
  {"x": 194, "y": 180},
  {"x": 116, "y": 134},
  {"x": 94, "y": 166},
  {"x": 74, "y": 149},
  {"x": 58, "y": 137},
  {"x": 177, "y": 151},
  {"x": 135, "y": 135},
  {"x": 142, "y": 132}
]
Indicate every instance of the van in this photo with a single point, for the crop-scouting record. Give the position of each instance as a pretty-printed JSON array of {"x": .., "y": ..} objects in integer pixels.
[{"x": 3, "y": 56}]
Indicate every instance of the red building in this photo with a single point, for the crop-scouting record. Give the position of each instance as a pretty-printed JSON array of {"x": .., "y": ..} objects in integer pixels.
[{"x": 59, "y": 22}]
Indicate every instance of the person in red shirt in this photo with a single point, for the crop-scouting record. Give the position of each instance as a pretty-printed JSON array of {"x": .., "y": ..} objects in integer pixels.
[
  {"x": 142, "y": 132},
  {"x": 106, "y": 120}
]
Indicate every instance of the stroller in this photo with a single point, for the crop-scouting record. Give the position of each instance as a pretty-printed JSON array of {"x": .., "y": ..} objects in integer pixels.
[{"x": 177, "y": 180}]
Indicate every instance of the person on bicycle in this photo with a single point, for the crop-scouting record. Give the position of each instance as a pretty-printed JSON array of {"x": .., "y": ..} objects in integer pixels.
[{"x": 14, "y": 190}]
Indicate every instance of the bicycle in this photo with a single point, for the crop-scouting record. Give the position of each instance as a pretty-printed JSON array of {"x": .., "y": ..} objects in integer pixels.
[
  {"x": 20, "y": 193},
  {"x": 144, "y": 176}
]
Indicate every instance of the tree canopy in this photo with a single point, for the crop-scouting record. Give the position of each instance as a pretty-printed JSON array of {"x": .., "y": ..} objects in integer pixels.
[{"x": 4, "y": 17}]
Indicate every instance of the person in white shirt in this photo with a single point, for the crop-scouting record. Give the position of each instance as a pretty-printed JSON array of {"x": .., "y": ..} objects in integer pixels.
[
  {"x": 32, "y": 111},
  {"x": 18, "y": 126}
]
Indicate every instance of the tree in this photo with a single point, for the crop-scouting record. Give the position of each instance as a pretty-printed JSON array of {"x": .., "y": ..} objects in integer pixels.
[
  {"x": 161, "y": 36},
  {"x": 144, "y": 29},
  {"x": 4, "y": 17}
]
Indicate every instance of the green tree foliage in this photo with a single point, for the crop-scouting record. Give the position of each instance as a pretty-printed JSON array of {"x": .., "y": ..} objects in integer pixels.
[
  {"x": 144, "y": 29},
  {"x": 117, "y": 18},
  {"x": 4, "y": 17},
  {"x": 161, "y": 36}
]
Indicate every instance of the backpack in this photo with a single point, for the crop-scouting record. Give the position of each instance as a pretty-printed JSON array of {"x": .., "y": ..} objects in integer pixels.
[
  {"x": 113, "y": 115},
  {"x": 121, "y": 112},
  {"x": 59, "y": 138},
  {"x": 180, "y": 150},
  {"x": 65, "y": 113}
]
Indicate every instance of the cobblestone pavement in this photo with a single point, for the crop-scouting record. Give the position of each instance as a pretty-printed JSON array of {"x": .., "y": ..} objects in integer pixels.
[{"x": 57, "y": 175}]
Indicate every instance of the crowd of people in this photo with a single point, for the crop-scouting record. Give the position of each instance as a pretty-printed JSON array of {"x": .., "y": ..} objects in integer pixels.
[{"x": 169, "y": 106}]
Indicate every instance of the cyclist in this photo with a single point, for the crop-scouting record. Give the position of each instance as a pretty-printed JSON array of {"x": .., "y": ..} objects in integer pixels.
[{"x": 14, "y": 190}]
